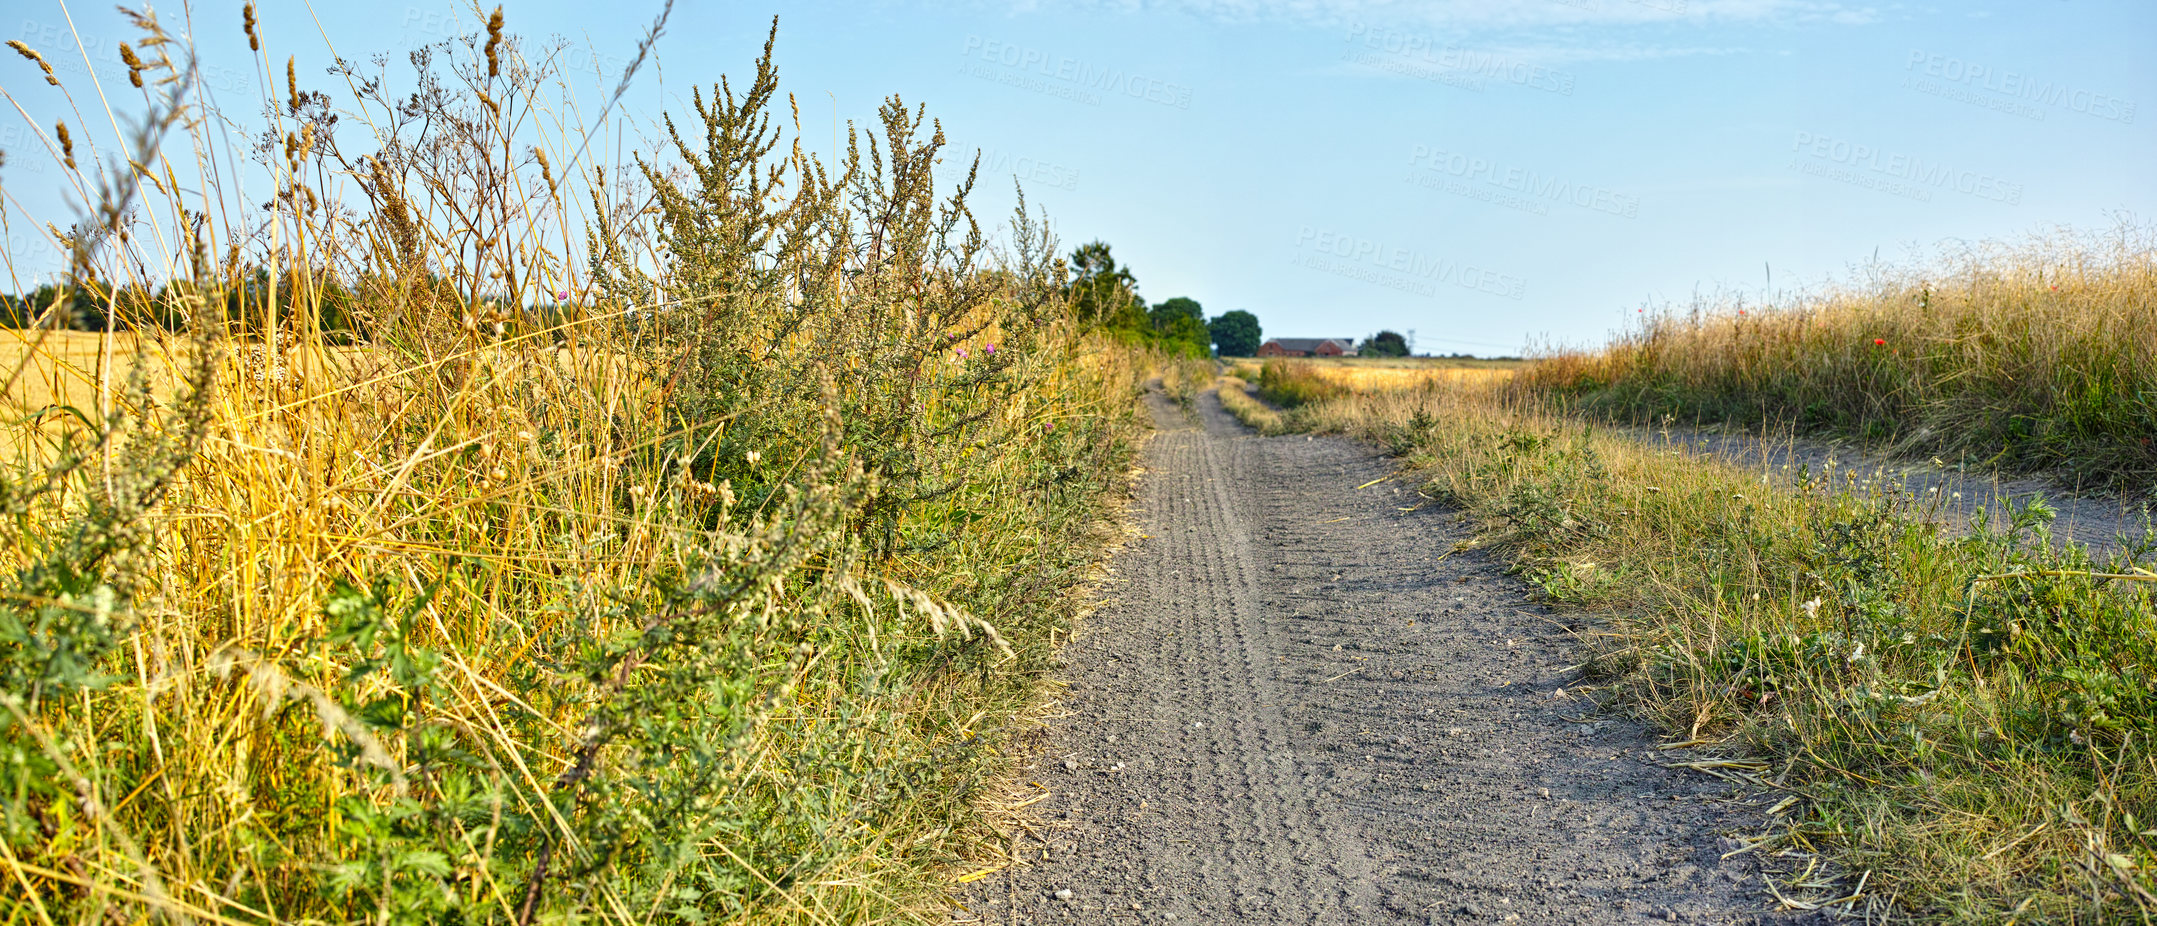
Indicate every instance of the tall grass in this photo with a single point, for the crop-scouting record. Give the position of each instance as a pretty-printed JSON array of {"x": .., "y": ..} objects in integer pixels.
[
  {"x": 1294, "y": 384},
  {"x": 2034, "y": 357},
  {"x": 1182, "y": 377},
  {"x": 1962, "y": 722},
  {"x": 1236, "y": 397},
  {"x": 677, "y": 541}
]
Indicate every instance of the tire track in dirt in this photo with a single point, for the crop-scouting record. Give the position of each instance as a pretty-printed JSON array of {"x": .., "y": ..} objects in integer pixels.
[{"x": 1299, "y": 706}]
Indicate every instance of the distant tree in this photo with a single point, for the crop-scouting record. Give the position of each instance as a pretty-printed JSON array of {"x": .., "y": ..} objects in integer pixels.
[
  {"x": 1181, "y": 306},
  {"x": 1103, "y": 292},
  {"x": 76, "y": 306},
  {"x": 1184, "y": 335},
  {"x": 1179, "y": 326},
  {"x": 24, "y": 310},
  {"x": 1384, "y": 344},
  {"x": 1235, "y": 334}
]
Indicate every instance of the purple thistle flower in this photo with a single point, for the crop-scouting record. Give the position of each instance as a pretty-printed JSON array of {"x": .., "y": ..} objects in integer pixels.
[
  {"x": 962, "y": 353},
  {"x": 990, "y": 350},
  {"x": 561, "y": 295}
]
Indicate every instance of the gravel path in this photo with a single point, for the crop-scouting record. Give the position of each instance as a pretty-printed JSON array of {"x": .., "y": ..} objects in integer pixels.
[
  {"x": 2095, "y": 519},
  {"x": 1298, "y": 706}
]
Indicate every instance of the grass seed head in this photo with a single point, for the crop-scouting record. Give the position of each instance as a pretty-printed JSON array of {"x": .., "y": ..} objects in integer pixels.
[
  {"x": 30, "y": 53},
  {"x": 494, "y": 44},
  {"x": 134, "y": 65}
]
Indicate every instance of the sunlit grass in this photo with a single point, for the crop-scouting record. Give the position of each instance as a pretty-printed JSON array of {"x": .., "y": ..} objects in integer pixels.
[
  {"x": 1236, "y": 397},
  {"x": 2033, "y": 357}
]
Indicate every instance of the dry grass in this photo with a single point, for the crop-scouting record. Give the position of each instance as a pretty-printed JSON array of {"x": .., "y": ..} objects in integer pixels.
[
  {"x": 1236, "y": 397},
  {"x": 1182, "y": 377},
  {"x": 2037, "y": 357}
]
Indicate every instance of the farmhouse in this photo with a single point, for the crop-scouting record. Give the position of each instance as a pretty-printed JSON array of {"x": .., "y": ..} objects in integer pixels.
[{"x": 1308, "y": 347}]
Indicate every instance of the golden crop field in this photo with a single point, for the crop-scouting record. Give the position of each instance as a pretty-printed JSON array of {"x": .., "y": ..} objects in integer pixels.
[
  {"x": 62, "y": 367},
  {"x": 53, "y": 375},
  {"x": 1388, "y": 374},
  {"x": 1377, "y": 377}
]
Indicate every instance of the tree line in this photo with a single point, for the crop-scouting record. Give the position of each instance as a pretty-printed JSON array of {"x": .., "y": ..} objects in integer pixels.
[
  {"x": 1104, "y": 294},
  {"x": 346, "y": 310}
]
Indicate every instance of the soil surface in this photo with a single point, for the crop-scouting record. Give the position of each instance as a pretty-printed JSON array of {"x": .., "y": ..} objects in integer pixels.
[
  {"x": 1953, "y": 496},
  {"x": 1300, "y": 705}
]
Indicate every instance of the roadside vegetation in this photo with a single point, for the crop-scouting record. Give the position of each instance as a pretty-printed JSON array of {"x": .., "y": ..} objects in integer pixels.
[
  {"x": 1961, "y": 716},
  {"x": 1296, "y": 384},
  {"x": 478, "y": 533},
  {"x": 2032, "y": 358},
  {"x": 1236, "y": 397},
  {"x": 1183, "y": 377}
]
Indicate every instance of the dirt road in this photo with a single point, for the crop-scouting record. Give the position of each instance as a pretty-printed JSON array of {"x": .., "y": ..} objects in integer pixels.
[{"x": 1299, "y": 707}]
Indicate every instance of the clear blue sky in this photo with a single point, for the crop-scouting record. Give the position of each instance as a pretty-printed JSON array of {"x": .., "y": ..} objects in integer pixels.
[{"x": 1482, "y": 172}]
